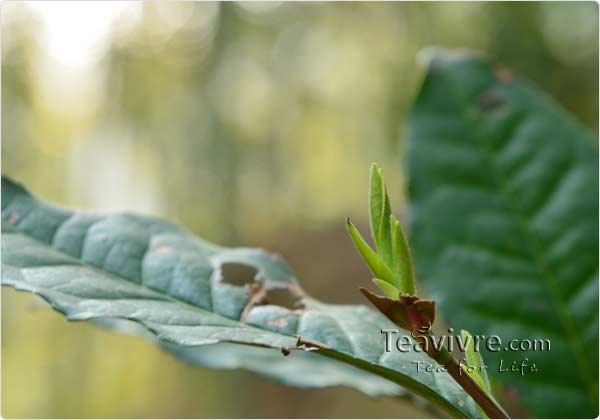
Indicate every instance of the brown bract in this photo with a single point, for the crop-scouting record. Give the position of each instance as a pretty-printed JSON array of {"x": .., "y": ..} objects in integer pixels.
[{"x": 408, "y": 312}]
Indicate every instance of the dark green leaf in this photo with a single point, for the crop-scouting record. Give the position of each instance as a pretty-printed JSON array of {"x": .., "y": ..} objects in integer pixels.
[
  {"x": 504, "y": 208},
  {"x": 126, "y": 267}
]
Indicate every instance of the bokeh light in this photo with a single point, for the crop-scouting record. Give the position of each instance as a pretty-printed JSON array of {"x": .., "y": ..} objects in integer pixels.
[{"x": 250, "y": 124}]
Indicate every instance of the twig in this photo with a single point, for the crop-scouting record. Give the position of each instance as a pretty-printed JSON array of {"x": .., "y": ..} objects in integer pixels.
[
  {"x": 491, "y": 408},
  {"x": 416, "y": 316}
]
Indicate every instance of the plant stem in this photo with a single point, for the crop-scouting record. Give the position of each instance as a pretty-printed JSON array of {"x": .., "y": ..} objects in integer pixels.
[
  {"x": 416, "y": 315},
  {"x": 445, "y": 358},
  {"x": 491, "y": 408}
]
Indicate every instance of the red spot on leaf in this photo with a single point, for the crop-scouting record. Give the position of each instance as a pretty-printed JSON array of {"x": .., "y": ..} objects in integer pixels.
[
  {"x": 162, "y": 249},
  {"x": 14, "y": 217},
  {"x": 503, "y": 74},
  {"x": 277, "y": 322}
]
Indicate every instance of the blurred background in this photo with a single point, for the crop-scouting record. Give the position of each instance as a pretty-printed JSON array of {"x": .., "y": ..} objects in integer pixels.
[{"x": 250, "y": 124}]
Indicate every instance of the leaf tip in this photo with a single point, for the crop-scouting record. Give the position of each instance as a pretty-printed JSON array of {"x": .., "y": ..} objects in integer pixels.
[{"x": 376, "y": 170}]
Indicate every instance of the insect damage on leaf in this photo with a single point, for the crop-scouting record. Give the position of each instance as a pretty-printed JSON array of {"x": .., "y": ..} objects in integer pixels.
[{"x": 189, "y": 296}]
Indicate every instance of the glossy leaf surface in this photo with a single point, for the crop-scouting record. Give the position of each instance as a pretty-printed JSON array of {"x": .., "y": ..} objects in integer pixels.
[{"x": 504, "y": 226}]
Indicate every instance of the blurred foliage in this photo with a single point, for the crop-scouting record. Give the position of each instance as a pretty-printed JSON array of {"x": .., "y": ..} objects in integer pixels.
[{"x": 249, "y": 123}]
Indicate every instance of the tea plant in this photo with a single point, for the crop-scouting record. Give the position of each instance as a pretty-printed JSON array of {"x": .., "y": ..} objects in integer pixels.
[
  {"x": 504, "y": 230},
  {"x": 392, "y": 266}
]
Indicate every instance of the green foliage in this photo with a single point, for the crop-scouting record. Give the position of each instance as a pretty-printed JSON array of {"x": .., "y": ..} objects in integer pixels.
[
  {"x": 403, "y": 307},
  {"x": 379, "y": 268},
  {"x": 387, "y": 288},
  {"x": 474, "y": 360},
  {"x": 391, "y": 264},
  {"x": 504, "y": 222},
  {"x": 403, "y": 269},
  {"x": 116, "y": 267},
  {"x": 379, "y": 214},
  {"x": 504, "y": 207},
  {"x": 475, "y": 367}
]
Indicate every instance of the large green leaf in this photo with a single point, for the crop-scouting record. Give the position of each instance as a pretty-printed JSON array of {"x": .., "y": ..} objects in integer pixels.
[
  {"x": 117, "y": 267},
  {"x": 504, "y": 225},
  {"x": 317, "y": 371}
]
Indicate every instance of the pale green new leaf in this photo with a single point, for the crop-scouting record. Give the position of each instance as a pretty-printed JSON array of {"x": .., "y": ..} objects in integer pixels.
[
  {"x": 475, "y": 361},
  {"x": 378, "y": 267},
  {"x": 475, "y": 367},
  {"x": 379, "y": 212},
  {"x": 388, "y": 289},
  {"x": 403, "y": 269}
]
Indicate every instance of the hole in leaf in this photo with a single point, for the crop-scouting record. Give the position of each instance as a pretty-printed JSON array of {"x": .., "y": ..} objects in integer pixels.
[
  {"x": 283, "y": 298},
  {"x": 238, "y": 274}
]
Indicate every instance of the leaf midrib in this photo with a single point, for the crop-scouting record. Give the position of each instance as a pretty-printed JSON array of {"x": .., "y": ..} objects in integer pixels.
[{"x": 399, "y": 378}]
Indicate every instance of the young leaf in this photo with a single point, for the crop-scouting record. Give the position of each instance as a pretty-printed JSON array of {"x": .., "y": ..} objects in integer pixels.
[
  {"x": 379, "y": 212},
  {"x": 376, "y": 201},
  {"x": 376, "y": 264},
  {"x": 388, "y": 289},
  {"x": 403, "y": 269},
  {"x": 115, "y": 267},
  {"x": 475, "y": 368}
]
